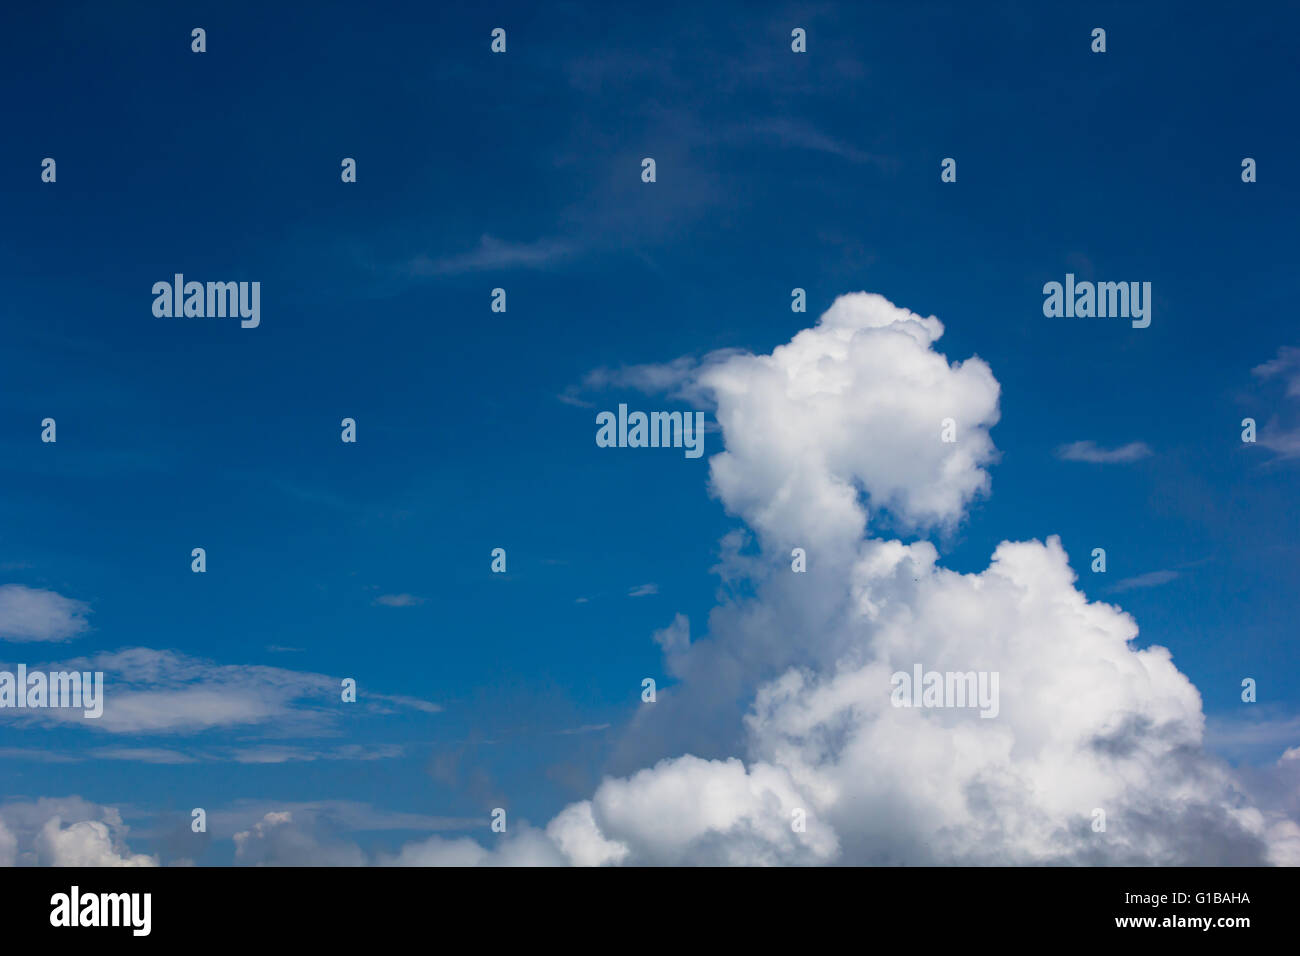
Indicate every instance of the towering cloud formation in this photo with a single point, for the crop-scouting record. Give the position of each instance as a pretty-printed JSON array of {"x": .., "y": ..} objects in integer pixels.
[{"x": 823, "y": 438}]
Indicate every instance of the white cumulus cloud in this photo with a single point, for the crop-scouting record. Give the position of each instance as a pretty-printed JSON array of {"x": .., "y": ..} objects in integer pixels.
[
  {"x": 33, "y": 614},
  {"x": 65, "y": 831}
]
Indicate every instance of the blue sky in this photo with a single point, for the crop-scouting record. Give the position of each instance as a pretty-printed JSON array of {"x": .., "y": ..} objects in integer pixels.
[{"x": 475, "y": 428}]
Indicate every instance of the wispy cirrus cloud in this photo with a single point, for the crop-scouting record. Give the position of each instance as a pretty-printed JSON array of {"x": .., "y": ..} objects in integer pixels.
[
  {"x": 492, "y": 253},
  {"x": 798, "y": 134},
  {"x": 258, "y": 754},
  {"x": 274, "y": 754},
  {"x": 584, "y": 729},
  {"x": 1090, "y": 451},
  {"x": 1149, "y": 580},
  {"x": 675, "y": 378},
  {"x": 1285, "y": 366},
  {"x": 1281, "y": 432},
  {"x": 151, "y": 691},
  {"x": 1263, "y": 734},
  {"x": 157, "y": 755},
  {"x": 399, "y": 600}
]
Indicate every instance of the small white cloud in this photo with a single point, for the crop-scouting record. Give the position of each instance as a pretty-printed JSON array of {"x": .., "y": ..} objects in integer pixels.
[
  {"x": 31, "y": 614},
  {"x": 643, "y": 590},
  {"x": 570, "y": 397}
]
